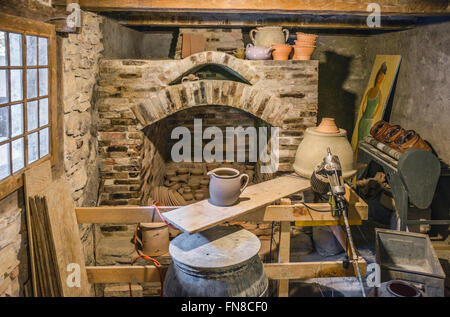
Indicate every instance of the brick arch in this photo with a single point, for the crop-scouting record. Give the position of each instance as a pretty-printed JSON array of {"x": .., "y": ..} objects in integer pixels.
[
  {"x": 236, "y": 64},
  {"x": 172, "y": 99}
]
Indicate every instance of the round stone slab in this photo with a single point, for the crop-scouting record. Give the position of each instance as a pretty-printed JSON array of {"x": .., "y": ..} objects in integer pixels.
[{"x": 217, "y": 247}]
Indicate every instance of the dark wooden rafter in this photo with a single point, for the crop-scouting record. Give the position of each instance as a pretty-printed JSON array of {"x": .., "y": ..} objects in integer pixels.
[
  {"x": 329, "y": 7},
  {"x": 229, "y": 20}
]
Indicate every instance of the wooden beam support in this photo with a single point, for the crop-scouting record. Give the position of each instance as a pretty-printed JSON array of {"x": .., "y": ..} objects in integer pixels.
[
  {"x": 119, "y": 214},
  {"x": 124, "y": 274},
  {"x": 331, "y": 7},
  {"x": 211, "y": 20},
  {"x": 303, "y": 270}
]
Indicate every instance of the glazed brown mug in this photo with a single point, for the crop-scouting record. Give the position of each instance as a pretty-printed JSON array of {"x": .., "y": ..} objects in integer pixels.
[
  {"x": 378, "y": 130},
  {"x": 410, "y": 140}
]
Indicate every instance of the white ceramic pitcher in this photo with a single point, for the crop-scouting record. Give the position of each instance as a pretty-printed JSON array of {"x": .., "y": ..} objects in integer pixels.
[{"x": 226, "y": 185}]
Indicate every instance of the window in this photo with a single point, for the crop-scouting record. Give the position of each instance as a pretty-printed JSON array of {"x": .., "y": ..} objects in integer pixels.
[{"x": 26, "y": 94}]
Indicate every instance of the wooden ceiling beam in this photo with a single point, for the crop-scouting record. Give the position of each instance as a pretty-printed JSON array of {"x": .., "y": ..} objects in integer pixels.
[
  {"x": 158, "y": 19},
  {"x": 329, "y": 7}
]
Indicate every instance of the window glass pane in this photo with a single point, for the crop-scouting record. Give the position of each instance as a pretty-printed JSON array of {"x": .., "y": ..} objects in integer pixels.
[
  {"x": 43, "y": 82},
  {"x": 33, "y": 153},
  {"x": 16, "y": 85},
  {"x": 43, "y": 142},
  {"x": 18, "y": 154},
  {"x": 31, "y": 50},
  {"x": 15, "y": 49},
  {"x": 32, "y": 115},
  {"x": 4, "y": 160},
  {"x": 43, "y": 112},
  {"x": 43, "y": 57},
  {"x": 16, "y": 120},
  {"x": 4, "y": 91},
  {"x": 4, "y": 124},
  {"x": 3, "y": 50},
  {"x": 32, "y": 83}
]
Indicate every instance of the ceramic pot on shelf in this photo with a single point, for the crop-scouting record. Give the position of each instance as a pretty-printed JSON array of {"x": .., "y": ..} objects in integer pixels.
[
  {"x": 313, "y": 149},
  {"x": 378, "y": 130},
  {"x": 269, "y": 35},
  {"x": 410, "y": 140},
  {"x": 303, "y": 52},
  {"x": 226, "y": 185},
  {"x": 281, "y": 51},
  {"x": 391, "y": 134},
  {"x": 258, "y": 52}
]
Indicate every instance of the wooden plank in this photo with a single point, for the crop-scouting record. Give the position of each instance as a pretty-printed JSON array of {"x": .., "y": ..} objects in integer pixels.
[
  {"x": 124, "y": 274},
  {"x": 284, "y": 251},
  {"x": 65, "y": 235},
  {"x": 202, "y": 215},
  {"x": 35, "y": 180},
  {"x": 119, "y": 214},
  {"x": 303, "y": 270},
  {"x": 388, "y": 7}
]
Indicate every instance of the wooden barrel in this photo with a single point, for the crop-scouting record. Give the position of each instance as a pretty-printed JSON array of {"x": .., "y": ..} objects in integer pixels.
[{"x": 220, "y": 261}]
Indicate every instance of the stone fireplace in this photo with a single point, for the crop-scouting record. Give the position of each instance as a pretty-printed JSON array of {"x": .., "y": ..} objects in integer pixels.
[{"x": 139, "y": 102}]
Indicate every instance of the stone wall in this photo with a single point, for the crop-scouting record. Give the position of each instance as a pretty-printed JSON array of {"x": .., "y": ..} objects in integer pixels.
[
  {"x": 13, "y": 245},
  {"x": 133, "y": 94},
  {"x": 81, "y": 53}
]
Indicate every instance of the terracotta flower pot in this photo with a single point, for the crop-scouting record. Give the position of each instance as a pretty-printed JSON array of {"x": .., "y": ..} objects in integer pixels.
[
  {"x": 281, "y": 52},
  {"x": 303, "y": 52},
  {"x": 327, "y": 125},
  {"x": 301, "y": 35},
  {"x": 155, "y": 238},
  {"x": 304, "y": 42}
]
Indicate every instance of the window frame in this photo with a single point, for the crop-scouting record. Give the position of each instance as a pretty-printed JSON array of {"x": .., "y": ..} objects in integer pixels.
[{"x": 26, "y": 27}]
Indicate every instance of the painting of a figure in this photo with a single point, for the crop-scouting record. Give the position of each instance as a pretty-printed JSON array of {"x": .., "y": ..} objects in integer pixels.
[{"x": 376, "y": 95}]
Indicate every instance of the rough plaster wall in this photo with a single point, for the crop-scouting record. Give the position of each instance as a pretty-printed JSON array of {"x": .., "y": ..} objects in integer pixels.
[
  {"x": 120, "y": 41},
  {"x": 422, "y": 96},
  {"x": 342, "y": 71}
]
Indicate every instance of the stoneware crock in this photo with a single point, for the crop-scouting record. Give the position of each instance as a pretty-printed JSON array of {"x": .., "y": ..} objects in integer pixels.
[
  {"x": 226, "y": 185},
  {"x": 268, "y": 35}
]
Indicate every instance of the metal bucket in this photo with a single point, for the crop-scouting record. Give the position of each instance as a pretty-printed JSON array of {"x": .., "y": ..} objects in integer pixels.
[{"x": 218, "y": 262}]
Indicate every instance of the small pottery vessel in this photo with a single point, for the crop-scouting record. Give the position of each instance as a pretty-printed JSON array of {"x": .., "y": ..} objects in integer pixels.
[
  {"x": 155, "y": 238},
  {"x": 303, "y": 52},
  {"x": 306, "y": 36},
  {"x": 258, "y": 52},
  {"x": 281, "y": 51},
  {"x": 396, "y": 288},
  {"x": 391, "y": 134},
  {"x": 410, "y": 140},
  {"x": 378, "y": 129},
  {"x": 268, "y": 35},
  {"x": 314, "y": 146},
  {"x": 226, "y": 185},
  {"x": 327, "y": 125}
]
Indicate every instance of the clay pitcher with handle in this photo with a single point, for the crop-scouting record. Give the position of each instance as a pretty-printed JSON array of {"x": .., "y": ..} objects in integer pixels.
[
  {"x": 269, "y": 35},
  {"x": 226, "y": 185}
]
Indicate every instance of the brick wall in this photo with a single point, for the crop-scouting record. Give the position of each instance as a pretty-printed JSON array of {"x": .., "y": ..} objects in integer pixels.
[{"x": 133, "y": 94}]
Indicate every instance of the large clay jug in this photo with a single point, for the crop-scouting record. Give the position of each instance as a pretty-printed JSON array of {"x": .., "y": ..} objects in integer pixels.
[
  {"x": 269, "y": 35},
  {"x": 226, "y": 186}
]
